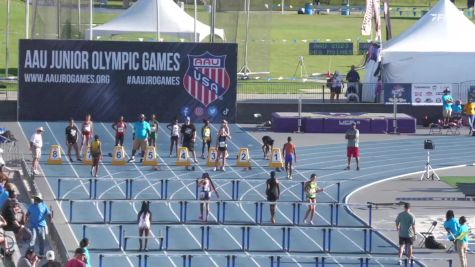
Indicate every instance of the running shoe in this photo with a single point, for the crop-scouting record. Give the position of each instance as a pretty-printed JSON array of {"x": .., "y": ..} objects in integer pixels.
[
  {"x": 223, "y": 169},
  {"x": 71, "y": 160},
  {"x": 203, "y": 156},
  {"x": 141, "y": 160},
  {"x": 304, "y": 221},
  {"x": 347, "y": 168},
  {"x": 195, "y": 161},
  {"x": 357, "y": 168},
  {"x": 400, "y": 262},
  {"x": 132, "y": 159},
  {"x": 311, "y": 222},
  {"x": 215, "y": 169},
  {"x": 36, "y": 172}
]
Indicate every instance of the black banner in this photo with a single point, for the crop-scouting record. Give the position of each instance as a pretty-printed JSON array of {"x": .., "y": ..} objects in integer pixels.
[
  {"x": 107, "y": 79},
  {"x": 363, "y": 48},
  {"x": 330, "y": 48}
]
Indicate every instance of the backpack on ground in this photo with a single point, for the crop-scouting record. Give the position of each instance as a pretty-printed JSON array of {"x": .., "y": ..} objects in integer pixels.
[{"x": 431, "y": 243}]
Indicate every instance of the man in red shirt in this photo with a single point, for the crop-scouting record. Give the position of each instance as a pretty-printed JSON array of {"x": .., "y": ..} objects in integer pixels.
[{"x": 78, "y": 260}]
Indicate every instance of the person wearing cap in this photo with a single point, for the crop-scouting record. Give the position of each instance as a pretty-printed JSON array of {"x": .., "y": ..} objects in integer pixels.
[
  {"x": 406, "y": 227},
  {"x": 447, "y": 102},
  {"x": 140, "y": 136},
  {"x": 311, "y": 189},
  {"x": 206, "y": 187},
  {"x": 51, "y": 262},
  {"x": 272, "y": 194},
  {"x": 36, "y": 143},
  {"x": 352, "y": 149},
  {"x": 29, "y": 260},
  {"x": 79, "y": 259},
  {"x": 36, "y": 216},
  {"x": 188, "y": 137}
]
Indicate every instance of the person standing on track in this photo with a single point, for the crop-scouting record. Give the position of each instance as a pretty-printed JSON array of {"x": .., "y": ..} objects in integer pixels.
[
  {"x": 96, "y": 153},
  {"x": 144, "y": 220},
  {"x": 36, "y": 143},
  {"x": 273, "y": 194},
  {"x": 352, "y": 150},
  {"x": 289, "y": 155},
  {"x": 86, "y": 131},
  {"x": 174, "y": 136},
  {"x": 406, "y": 227},
  {"x": 37, "y": 215},
  {"x": 206, "y": 137},
  {"x": 206, "y": 187},
  {"x": 188, "y": 137},
  {"x": 311, "y": 190},
  {"x": 72, "y": 134},
  {"x": 462, "y": 241},
  {"x": 120, "y": 126},
  {"x": 267, "y": 145},
  {"x": 154, "y": 127},
  {"x": 222, "y": 148},
  {"x": 140, "y": 136}
]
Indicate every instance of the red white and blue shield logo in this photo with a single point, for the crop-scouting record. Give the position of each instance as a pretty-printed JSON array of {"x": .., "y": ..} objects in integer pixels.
[{"x": 206, "y": 78}]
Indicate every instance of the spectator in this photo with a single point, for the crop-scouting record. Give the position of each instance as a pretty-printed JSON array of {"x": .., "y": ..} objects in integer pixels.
[
  {"x": 311, "y": 190},
  {"x": 140, "y": 136},
  {"x": 406, "y": 227},
  {"x": 3, "y": 194},
  {"x": 206, "y": 187},
  {"x": 15, "y": 216},
  {"x": 452, "y": 226},
  {"x": 72, "y": 134},
  {"x": 469, "y": 110},
  {"x": 222, "y": 147},
  {"x": 36, "y": 142},
  {"x": 96, "y": 153},
  {"x": 447, "y": 102},
  {"x": 273, "y": 194},
  {"x": 174, "y": 136},
  {"x": 37, "y": 214},
  {"x": 188, "y": 137},
  {"x": 78, "y": 260},
  {"x": 144, "y": 219},
  {"x": 206, "y": 137},
  {"x": 3, "y": 167},
  {"x": 462, "y": 241},
  {"x": 352, "y": 150},
  {"x": 3, "y": 240},
  {"x": 84, "y": 243},
  {"x": 337, "y": 84},
  {"x": 154, "y": 127},
  {"x": 50, "y": 257},
  {"x": 353, "y": 79},
  {"x": 119, "y": 126},
  {"x": 86, "y": 130},
  {"x": 457, "y": 109},
  {"x": 29, "y": 260},
  {"x": 267, "y": 145}
]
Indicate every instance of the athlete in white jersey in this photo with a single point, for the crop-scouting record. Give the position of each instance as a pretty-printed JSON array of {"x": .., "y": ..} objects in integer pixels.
[{"x": 144, "y": 220}]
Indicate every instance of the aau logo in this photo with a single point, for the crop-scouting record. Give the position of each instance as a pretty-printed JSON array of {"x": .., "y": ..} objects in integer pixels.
[{"x": 206, "y": 78}]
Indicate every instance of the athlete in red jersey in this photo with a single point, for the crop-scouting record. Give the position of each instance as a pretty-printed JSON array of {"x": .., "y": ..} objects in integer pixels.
[{"x": 120, "y": 126}]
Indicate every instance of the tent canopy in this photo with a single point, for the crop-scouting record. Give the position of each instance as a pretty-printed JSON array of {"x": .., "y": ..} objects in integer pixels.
[
  {"x": 142, "y": 18},
  {"x": 437, "y": 48}
]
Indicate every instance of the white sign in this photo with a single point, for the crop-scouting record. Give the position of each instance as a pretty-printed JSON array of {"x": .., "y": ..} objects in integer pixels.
[{"x": 426, "y": 94}]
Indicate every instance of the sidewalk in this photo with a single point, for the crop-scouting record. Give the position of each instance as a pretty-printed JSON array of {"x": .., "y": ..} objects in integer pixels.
[{"x": 410, "y": 189}]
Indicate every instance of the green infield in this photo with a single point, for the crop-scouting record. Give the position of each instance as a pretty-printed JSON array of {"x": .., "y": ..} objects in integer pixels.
[{"x": 453, "y": 180}]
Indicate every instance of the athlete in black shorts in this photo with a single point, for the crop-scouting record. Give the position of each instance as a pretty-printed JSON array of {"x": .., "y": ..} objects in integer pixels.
[{"x": 267, "y": 145}]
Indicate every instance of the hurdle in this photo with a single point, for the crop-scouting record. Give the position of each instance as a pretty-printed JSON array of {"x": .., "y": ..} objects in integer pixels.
[
  {"x": 158, "y": 238},
  {"x": 85, "y": 226}
]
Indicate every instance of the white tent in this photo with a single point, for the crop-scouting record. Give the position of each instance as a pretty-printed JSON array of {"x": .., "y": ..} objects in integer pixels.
[
  {"x": 142, "y": 18},
  {"x": 439, "y": 48}
]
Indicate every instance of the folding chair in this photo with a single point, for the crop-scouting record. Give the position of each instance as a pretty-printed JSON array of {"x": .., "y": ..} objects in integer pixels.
[{"x": 425, "y": 235}]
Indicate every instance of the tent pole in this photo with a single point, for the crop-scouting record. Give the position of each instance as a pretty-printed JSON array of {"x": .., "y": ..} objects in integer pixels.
[
  {"x": 213, "y": 20},
  {"x": 282, "y": 7},
  {"x": 27, "y": 19},
  {"x": 7, "y": 40},
  {"x": 195, "y": 39},
  {"x": 91, "y": 14},
  {"x": 158, "y": 20},
  {"x": 79, "y": 15}
]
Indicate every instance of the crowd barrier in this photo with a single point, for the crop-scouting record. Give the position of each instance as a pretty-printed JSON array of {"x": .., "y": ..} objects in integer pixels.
[
  {"x": 143, "y": 260},
  {"x": 164, "y": 184}
]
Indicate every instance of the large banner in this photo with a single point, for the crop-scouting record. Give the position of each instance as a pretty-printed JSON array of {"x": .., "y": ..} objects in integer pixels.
[
  {"x": 399, "y": 92},
  {"x": 107, "y": 79},
  {"x": 428, "y": 94}
]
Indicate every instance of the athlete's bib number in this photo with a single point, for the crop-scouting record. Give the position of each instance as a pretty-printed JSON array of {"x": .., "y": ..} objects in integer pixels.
[
  {"x": 120, "y": 129},
  {"x": 222, "y": 144},
  {"x": 87, "y": 128},
  {"x": 154, "y": 128},
  {"x": 207, "y": 132}
]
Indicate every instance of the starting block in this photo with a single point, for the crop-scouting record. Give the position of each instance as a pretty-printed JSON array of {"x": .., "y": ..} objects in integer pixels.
[
  {"x": 183, "y": 158},
  {"x": 275, "y": 160},
  {"x": 87, "y": 159},
  {"x": 150, "y": 157},
  {"x": 55, "y": 155},
  {"x": 118, "y": 157},
  {"x": 244, "y": 159},
  {"x": 212, "y": 156}
]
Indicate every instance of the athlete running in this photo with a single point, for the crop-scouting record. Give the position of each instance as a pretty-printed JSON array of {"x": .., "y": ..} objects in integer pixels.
[
  {"x": 153, "y": 130},
  {"x": 86, "y": 130},
  {"x": 206, "y": 137},
  {"x": 289, "y": 155},
  {"x": 222, "y": 149},
  {"x": 120, "y": 126},
  {"x": 311, "y": 190},
  {"x": 174, "y": 136}
]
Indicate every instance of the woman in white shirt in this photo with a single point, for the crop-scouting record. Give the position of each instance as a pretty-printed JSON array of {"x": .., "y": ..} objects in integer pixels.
[
  {"x": 206, "y": 187},
  {"x": 87, "y": 133},
  {"x": 144, "y": 220}
]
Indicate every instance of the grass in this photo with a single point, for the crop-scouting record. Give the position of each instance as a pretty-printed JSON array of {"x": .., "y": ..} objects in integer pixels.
[{"x": 453, "y": 180}]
